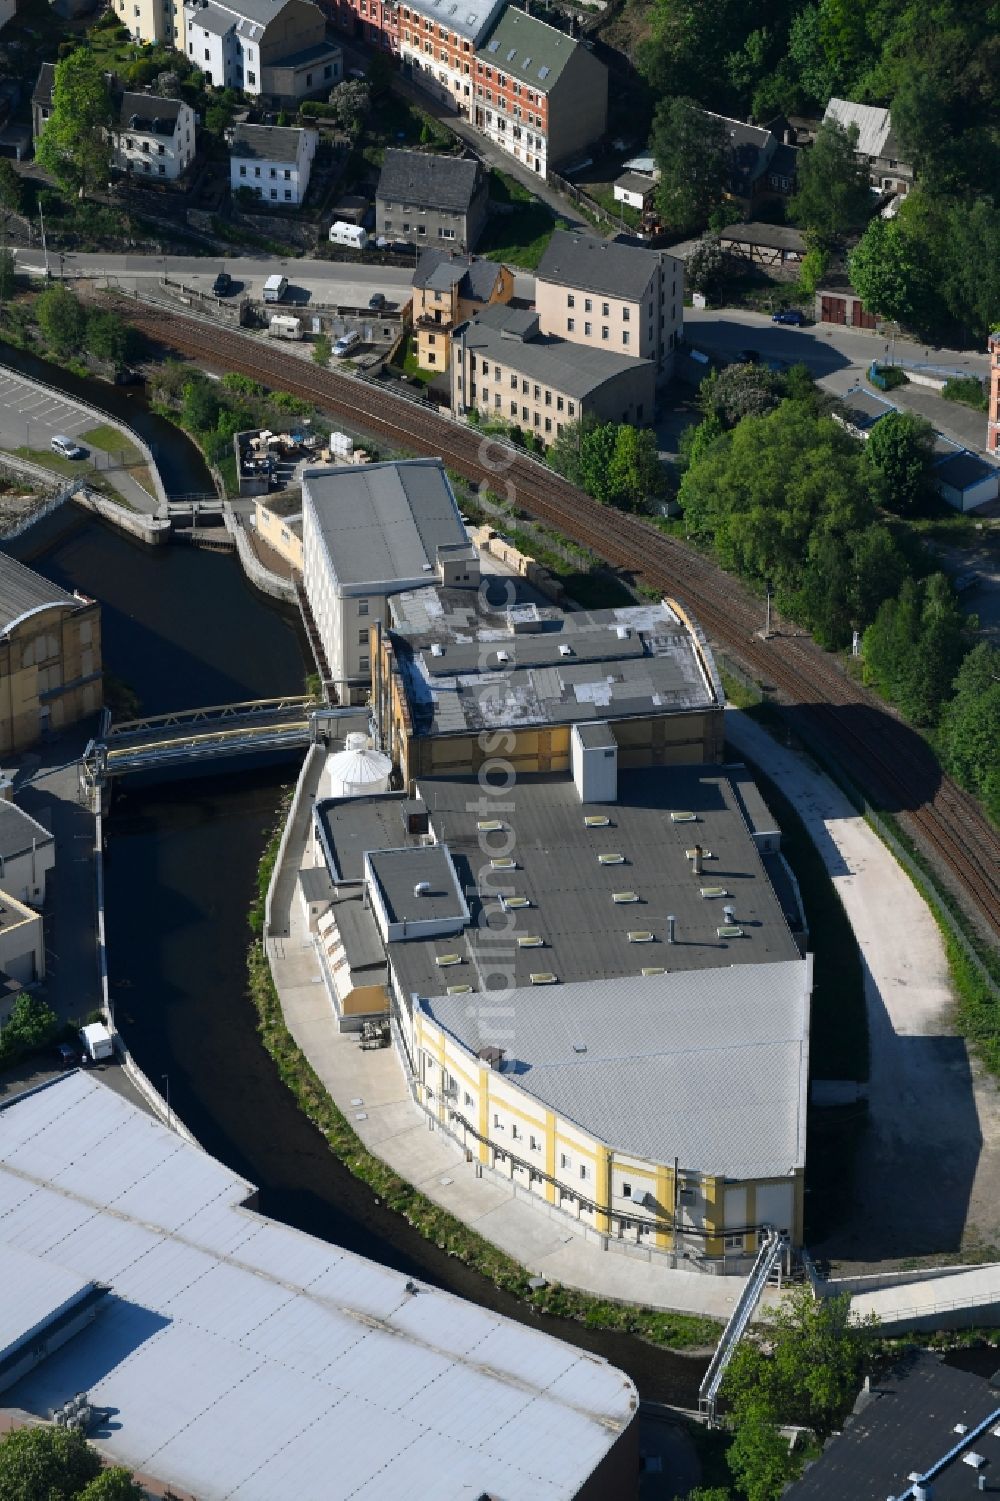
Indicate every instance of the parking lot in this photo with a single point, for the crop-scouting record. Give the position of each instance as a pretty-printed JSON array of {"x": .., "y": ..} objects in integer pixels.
[{"x": 31, "y": 419}]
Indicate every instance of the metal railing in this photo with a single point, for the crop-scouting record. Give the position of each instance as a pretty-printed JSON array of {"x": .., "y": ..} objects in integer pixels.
[{"x": 770, "y": 1249}]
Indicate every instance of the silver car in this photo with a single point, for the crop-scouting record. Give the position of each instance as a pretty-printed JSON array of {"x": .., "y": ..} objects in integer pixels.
[{"x": 65, "y": 447}]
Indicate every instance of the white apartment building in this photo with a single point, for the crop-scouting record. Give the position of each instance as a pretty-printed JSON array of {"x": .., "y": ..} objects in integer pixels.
[
  {"x": 262, "y": 47},
  {"x": 369, "y": 532},
  {"x": 275, "y": 161},
  {"x": 155, "y": 136},
  {"x": 620, "y": 298}
]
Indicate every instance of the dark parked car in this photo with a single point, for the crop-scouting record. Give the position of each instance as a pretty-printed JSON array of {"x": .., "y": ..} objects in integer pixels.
[
  {"x": 749, "y": 357},
  {"x": 223, "y": 284},
  {"x": 376, "y": 302},
  {"x": 67, "y": 1056},
  {"x": 789, "y": 315}
]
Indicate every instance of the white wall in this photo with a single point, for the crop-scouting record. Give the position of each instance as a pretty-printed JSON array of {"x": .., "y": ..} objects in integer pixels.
[
  {"x": 285, "y": 182},
  {"x": 147, "y": 155},
  {"x": 24, "y": 875}
]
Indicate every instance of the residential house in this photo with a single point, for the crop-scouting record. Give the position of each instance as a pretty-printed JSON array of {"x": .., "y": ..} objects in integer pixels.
[
  {"x": 262, "y": 47},
  {"x": 41, "y": 99},
  {"x": 278, "y": 523},
  {"x": 273, "y": 161},
  {"x": 876, "y": 144},
  {"x": 541, "y": 95},
  {"x": 423, "y": 197},
  {"x": 448, "y": 290},
  {"x": 760, "y": 165},
  {"x": 507, "y": 367},
  {"x": 27, "y": 853},
  {"x": 151, "y": 21},
  {"x": 370, "y": 532},
  {"x": 155, "y": 136},
  {"x": 50, "y": 657},
  {"x": 8, "y": 9},
  {"x": 611, "y": 297}
]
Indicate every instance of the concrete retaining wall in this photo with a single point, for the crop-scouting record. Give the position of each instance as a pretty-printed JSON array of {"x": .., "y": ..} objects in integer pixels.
[
  {"x": 270, "y": 583},
  {"x": 282, "y": 888},
  {"x": 152, "y": 529}
]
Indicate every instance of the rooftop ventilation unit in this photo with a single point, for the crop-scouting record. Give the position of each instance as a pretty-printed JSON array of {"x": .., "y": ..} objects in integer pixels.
[
  {"x": 530, "y": 941},
  {"x": 579, "y": 1047},
  {"x": 620, "y": 898},
  {"x": 526, "y": 64},
  {"x": 490, "y": 826},
  {"x": 422, "y": 888},
  {"x": 445, "y": 961},
  {"x": 960, "y": 1428},
  {"x": 730, "y": 930},
  {"x": 458, "y": 990},
  {"x": 622, "y": 632},
  {"x": 729, "y": 913},
  {"x": 671, "y": 923},
  {"x": 973, "y": 1460},
  {"x": 511, "y": 54},
  {"x": 652, "y": 969},
  {"x": 544, "y": 72},
  {"x": 709, "y": 891},
  {"x": 503, "y": 862},
  {"x": 543, "y": 977},
  {"x": 611, "y": 857},
  {"x": 683, "y": 817},
  {"x": 437, "y": 650},
  {"x": 640, "y": 936},
  {"x": 596, "y": 821},
  {"x": 565, "y": 650},
  {"x": 503, "y": 656},
  {"x": 514, "y": 903}
]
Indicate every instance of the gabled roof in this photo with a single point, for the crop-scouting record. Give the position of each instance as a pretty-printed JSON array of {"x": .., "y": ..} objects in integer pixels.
[
  {"x": 424, "y": 180},
  {"x": 467, "y": 18},
  {"x": 509, "y": 336},
  {"x": 574, "y": 259},
  {"x": 19, "y": 832},
  {"x": 772, "y": 236},
  {"x": 528, "y": 49},
  {"x": 440, "y": 270},
  {"x": 260, "y": 12},
  {"x": 22, "y": 591},
  {"x": 874, "y": 124},
  {"x": 44, "y": 83},
  {"x": 152, "y": 114},
  {"x": 267, "y": 143}
]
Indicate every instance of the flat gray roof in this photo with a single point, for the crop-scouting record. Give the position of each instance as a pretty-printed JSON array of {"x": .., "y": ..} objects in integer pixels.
[
  {"x": 570, "y": 891},
  {"x": 383, "y": 523},
  {"x": 639, "y": 659},
  {"x": 576, "y": 370},
  {"x": 18, "y": 832},
  {"x": 964, "y": 470},
  {"x": 246, "y": 1361},
  {"x": 575, "y": 259},
  {"x": 397, "y": 872},
  {"x": 349, "y": 827},
  {"x": 863, "y": 408},
  {"x": 709, "y": 1067},
  {"x": 23, "y": 591},
  {"x": 760, "y": 819}
]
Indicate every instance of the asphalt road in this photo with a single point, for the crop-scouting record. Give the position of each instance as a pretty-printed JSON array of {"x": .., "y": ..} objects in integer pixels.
[{"x": 345, "y": 282}]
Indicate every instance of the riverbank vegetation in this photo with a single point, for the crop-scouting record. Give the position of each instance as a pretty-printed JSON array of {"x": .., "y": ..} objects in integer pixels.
[
  {"x": 55, "y": 325},
  {"x": 672, "y": 1330}
]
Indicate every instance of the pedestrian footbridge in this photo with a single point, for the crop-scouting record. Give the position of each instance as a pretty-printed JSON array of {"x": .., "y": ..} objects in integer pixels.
[{"x": 190, "y": 735}]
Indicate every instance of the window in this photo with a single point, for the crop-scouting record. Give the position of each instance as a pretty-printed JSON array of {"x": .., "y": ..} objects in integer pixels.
[
  {"x": 288, "y": 195},
  {"x": 588, "y": 329},
  {"x": 513, "y": 383},
  {"x": 559, "y": 403},
  {"x": 364, "y": 664},
  {"x": 468, "y": 1101},
  {"x": 256, "y": 171},
  {"x": 362, "y": 607},
  {"x": 274, "y": 192},
  {"x": 363, "y": 637},
  {"x": 432, "y": 359},
  {"x": 328, "y": 71},
  {"x": 625, "y": 337},
  {"x": 625, "y": 314},
  {"x": 548, "y": 398},
  {"x": 570, "y": 409},
  {"x": 421, "y": 229},
  {"x": 251, "y": 78},
  {"x": 513, "y": 409},
  {"x": 604, "y": 310},
  {"x": 162, "y": 170},
  {"x": 538, "y": 393},
  {"x": 288, "y": 174},
  {"x": 532, "y": 1144},
  {"x": 515, "y": 1133},
  {"x": 565, "y": 1161},
  {"x": 605, "y": 332},
  {"x": 524, "y": 414},
  {"x": 309, "y": 79},
  {"x": 548, "y": 424},
  {"x": 570, "y": 325},
  {"x": 243, "y": 170},
  {"x": 496, "y": 1122},
  {"x": 588, "y": 306},
  {"x": 570, "y": 300},
  {"x": 538, "y": 420},
  {"x": 207, "y": 54},
  {"x": 496, "y": 372},
  {"x": 584, "y": 1171},
  {"x": 274, "y": 172},
  {"x": 626, "y": 1190}
]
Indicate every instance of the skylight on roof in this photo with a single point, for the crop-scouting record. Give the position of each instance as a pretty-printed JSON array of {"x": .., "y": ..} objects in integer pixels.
[
  {"x": 611, "y": 857},
  {"x": 683, "y": 817},
  {"x": 714, "y": 891},
  {"x": 444, "y": 961},
  {"x": 620, "y": 898},
  {"x": 544, "y": 977},
  {"x": 530, "y": 941},
  {"x": 493, "y": 47},
  {"x": 489, "y": 825},
  {"x": 544, "y": 72},
  {"x": 640, "y": 936},
  {"x": 459, "y": 990},
  {"x": 526, "y": 64},
  {"x": 653, "y": 969},
  {"x": 596, "y": 821},
  {"x": 511, "y": 54},
  {"x": 514, "y": 903},
  {"x": 730, "y": 930},
  {"x": 503, "y": 862}
]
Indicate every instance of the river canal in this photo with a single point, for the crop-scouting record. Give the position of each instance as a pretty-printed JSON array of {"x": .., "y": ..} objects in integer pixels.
[{"x": 182, "y": 628}]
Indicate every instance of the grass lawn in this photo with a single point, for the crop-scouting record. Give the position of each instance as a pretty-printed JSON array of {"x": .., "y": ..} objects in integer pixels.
[
  {"x": 408, "y": 363},
  {"x": 604, "y": 194},
  {"x": 86, "y": 474},
  {"x": 110, "y": 440},
  {"x": 521, "y": 231}
]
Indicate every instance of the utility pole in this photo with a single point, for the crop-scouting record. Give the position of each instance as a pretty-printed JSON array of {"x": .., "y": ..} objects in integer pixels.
[{"x": 45, "y": 248}]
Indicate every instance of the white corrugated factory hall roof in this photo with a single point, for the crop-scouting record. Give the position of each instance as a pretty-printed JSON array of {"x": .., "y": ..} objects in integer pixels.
[{"x": 247, "y": 1360}]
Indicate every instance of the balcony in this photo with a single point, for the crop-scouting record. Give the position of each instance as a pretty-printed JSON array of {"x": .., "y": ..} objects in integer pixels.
[{"x": 427, "y": 321}]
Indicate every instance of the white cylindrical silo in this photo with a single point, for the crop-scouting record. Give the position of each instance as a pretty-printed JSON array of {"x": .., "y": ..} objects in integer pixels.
[{"x": 358, "y": 769}]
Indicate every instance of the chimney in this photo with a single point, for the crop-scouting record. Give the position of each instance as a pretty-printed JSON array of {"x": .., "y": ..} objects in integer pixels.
[
  {"x": 696, "y": 860},
  {"x": 6, "y": 787},
  {"x": 671, "y": 921}
]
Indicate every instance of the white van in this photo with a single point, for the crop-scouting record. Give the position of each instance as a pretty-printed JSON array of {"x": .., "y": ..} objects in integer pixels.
[
  {"x": 65, "y": 447},
  {"x": 275, "y": 288},
  {"x": 346, "y": 344},
  {"x": 282, "y": 326},
  {"x": 352, "y": 235}
]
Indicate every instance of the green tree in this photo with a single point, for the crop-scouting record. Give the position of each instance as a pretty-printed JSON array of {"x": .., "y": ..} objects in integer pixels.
[
  {"x": 11, "y": 188},
  {"x": 813, "y": 268},
  {"x": 878, "y": 569},
  {"x": 322, "y": 350},
  {"x": 970, "y": 727},
  {"x": 8, "y": 276},
  {"x": 710, "y": 1493},
  {"x": 886, "y": 271},
  {"x": 46, "y": 1464},
  {"x": 76, "y": 145},
  {"x": 596, "y": 452},
  {"x": 635, "y": 474},
  {"x": 967, "y": 254},
  {"x": 200, "y": 406},
  {"x": 811, "y": 65},
  {"x": 705, "y": 267},
  {"x": 691, "y": 151},
  {"x": 351, "y": 103},
  {"x": 898, "y": 457},
  {"x": 833, "y": 192},
  {"x": 61, "y": 319},
  {"x": 758, "y": 1456},
  {"x": 107, "y": 337},
  {"x": 913, "y": 648},
  {"x": 739, "y": 391},
  {"x": 114, "y": 1484}
]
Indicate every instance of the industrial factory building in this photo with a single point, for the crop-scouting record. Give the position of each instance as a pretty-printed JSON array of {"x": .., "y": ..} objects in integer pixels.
[
  {"x": 596, "y": 986},
  {"x": 228, "y": 1356}
]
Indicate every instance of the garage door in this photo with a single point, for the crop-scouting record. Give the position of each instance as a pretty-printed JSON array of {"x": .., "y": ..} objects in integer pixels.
[
  {"x": 860, "y": 318},
  {"x": 833, "y": 310}
]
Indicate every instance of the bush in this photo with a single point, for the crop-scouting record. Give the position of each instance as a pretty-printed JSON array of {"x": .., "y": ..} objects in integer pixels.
[
  {"x": 967, "y": 389},
  {"x": 32, "y": 1025}
]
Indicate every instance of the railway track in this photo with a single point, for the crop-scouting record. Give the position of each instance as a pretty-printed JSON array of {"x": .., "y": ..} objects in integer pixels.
[{"x": 883, "y": 756}]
